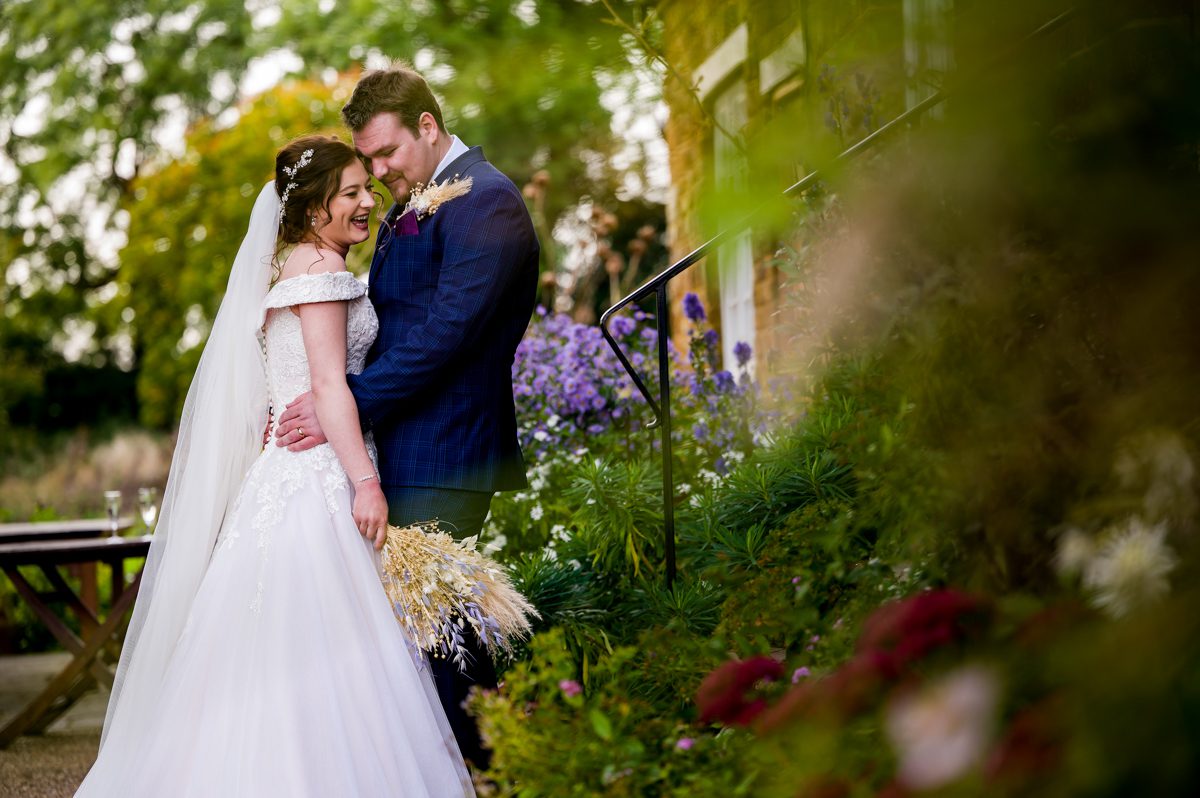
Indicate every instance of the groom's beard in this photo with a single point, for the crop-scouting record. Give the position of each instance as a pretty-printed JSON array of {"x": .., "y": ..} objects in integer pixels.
[{"x": 399, "y": 189}]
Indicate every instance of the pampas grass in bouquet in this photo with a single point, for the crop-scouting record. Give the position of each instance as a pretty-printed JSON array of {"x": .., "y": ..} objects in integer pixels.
[{"x": 438, "y": 585}]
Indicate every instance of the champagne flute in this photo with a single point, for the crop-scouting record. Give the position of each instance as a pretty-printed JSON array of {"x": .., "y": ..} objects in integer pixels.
[
  {"x": 147, "y": 507},
  {"x": 112, "y": 506}
]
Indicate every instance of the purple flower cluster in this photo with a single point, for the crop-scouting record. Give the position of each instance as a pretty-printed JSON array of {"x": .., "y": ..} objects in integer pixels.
[
  {"x": 570, "y": 387},
  {"x": 573, "y": 395}
]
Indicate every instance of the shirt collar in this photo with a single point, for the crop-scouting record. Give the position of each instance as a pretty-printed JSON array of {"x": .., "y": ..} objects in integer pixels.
[{"x": 457, "y": 148}]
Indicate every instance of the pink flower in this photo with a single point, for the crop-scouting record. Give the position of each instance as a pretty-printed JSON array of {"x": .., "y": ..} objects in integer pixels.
[
  {"x": 685, "y": 743},
  {"x": 570, "y": 687},
  {"x": 799, "y": 674},
  {"x": 945, "y": 729}
]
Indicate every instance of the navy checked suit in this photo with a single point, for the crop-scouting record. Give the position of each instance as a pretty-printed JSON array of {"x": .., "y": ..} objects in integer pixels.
[{"x": 453, "y": 302}]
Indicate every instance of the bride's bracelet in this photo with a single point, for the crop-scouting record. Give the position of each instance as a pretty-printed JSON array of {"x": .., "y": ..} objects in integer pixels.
[{"x": 367, "y": 477}]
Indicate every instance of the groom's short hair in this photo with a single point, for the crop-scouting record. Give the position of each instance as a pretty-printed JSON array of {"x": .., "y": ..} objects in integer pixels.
[{"x": 399, "y": 90}]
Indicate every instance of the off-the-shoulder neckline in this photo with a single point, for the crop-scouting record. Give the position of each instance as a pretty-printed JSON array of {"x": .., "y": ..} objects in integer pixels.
[{"x": 313, "y": 277}]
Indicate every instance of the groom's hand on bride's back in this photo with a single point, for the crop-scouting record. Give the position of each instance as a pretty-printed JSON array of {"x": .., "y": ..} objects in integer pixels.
[{"x": 298, "y": 428}]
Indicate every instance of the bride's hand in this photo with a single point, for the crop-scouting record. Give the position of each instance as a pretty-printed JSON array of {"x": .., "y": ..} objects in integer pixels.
[{"x": 370, "y": 512}]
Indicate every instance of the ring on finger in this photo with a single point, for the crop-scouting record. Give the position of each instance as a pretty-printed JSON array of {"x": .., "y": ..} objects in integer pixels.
[{"x": 300, "y": 431}]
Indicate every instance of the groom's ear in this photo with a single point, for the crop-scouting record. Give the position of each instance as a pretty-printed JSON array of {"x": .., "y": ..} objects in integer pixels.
[{"x": 428, "y": 127}]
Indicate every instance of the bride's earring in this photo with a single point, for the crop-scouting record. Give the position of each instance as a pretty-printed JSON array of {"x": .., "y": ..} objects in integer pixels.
[{"x": 314, "y": 221}]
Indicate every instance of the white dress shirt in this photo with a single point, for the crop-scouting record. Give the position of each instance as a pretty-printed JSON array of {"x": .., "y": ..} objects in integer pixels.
[{"x": 457, "y": 148}]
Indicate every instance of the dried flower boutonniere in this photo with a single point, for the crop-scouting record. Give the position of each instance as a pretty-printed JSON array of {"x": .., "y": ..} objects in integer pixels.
[{"x": 425, "y": 200}]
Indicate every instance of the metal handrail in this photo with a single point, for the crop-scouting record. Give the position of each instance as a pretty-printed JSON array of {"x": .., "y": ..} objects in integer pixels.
[{"x": 657, "y": 285}]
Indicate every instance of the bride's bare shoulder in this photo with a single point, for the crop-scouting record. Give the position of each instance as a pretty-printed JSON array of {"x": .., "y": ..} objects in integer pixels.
[{"x": 308, "y": 258}]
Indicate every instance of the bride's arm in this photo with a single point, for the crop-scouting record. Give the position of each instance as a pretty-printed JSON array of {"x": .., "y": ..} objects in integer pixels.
[{"x": 323, "y": 325}]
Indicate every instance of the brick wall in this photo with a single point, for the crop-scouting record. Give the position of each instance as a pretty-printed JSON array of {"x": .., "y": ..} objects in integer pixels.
[{"x": 692, "y": 31}]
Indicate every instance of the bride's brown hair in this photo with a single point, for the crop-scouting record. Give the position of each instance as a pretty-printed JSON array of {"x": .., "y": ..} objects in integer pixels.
[{"x": 307, "y": 183}]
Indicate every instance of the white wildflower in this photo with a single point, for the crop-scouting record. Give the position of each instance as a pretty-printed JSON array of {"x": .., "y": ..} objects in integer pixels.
[
  {"x": 944, "y": 730},
  {"x": 495, "y": 544},
  {"x": 1075, "y": 551},
  {"x": 733, "y": 457},
  {"x": 683, "y": 488},
  {"x": 552, "y": 422},
  {"x": 1131, "y": 568},
  {"x": 711, "y": 477},
  {"x": 537, "y": 512},
  {"x": 551, "y": 554},
  {"x": 541, "y": 435},
  {"x": 559, "y": 532},
  {"x": 695, "y": 500},
  {"x": 521, "y": 497},
  {"x": 537, "y": 483}
]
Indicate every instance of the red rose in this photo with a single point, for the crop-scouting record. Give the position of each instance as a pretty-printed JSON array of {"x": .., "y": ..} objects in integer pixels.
[{"x": 723, "y": 695}]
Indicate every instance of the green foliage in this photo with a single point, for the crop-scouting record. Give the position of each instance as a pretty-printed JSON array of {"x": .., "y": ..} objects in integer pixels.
[
  {"x": 996, "y": 345},
  {"x": 693, "y": 606},
  {"x": 91, "y": 120},
  {"x": 605, "y": 741},
  {"x": 572, "y": 599},
  {"x": 618, "y": 513},
  {"x": 767, "y": 493},
  {"x": 534, "y": 100},
  {"x": 88, "y": 88}
]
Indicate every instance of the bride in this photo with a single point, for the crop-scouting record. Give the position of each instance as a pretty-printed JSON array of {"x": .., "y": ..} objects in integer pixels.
[{"x": 263, "y": 658}]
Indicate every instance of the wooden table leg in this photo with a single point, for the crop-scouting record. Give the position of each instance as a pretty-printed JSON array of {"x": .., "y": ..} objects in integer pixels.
[
  {"x": 57, "y": 627},
  {"x": 88, "y": 619},
  {"x": 89, "y": 593},
  {"x": 82, "y": 687},
  {"x": 118, "y": 579},
  {"x": 65, "y": 680}
]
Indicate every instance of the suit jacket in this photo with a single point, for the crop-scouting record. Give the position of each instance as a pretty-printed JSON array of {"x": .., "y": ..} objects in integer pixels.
[{"x": 453, "y": 302}]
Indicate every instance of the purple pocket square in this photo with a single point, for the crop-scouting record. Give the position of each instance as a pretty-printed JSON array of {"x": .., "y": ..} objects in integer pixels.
[{"x": 406, "y": 225}]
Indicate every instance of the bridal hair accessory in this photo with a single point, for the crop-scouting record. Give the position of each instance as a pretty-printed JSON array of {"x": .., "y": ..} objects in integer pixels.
[
  {"x": 437, "y": 585},
  {"x": 290, "y": 171}
]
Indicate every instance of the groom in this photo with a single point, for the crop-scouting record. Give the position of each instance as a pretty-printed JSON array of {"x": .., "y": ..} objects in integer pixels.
[{"x": 454, "y": 291}]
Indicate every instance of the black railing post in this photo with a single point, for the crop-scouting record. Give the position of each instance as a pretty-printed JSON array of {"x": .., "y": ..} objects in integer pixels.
[{"x": 664, "y": 404}]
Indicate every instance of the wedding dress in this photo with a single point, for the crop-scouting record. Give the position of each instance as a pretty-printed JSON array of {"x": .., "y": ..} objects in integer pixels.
[{"x": 291, "y": 677}]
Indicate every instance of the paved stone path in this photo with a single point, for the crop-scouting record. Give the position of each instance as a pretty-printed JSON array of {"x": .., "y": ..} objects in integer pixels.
[{"x": 49, "y": 765}]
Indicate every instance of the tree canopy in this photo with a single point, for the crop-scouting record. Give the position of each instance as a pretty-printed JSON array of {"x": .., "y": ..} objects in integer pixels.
[{"x": 131, "y": 155}]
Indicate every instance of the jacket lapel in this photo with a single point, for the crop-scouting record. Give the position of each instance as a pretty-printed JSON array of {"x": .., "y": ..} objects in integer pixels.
[{"x": 460, "y": 164}]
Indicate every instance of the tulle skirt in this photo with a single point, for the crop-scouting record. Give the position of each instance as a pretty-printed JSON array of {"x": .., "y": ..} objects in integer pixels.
[{"x": 292, "y": 677}]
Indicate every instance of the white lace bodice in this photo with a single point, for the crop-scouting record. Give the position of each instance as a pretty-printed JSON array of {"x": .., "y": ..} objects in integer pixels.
[
  {"x": 288, "y": 375},
  {"x": 278, "y": 474}
]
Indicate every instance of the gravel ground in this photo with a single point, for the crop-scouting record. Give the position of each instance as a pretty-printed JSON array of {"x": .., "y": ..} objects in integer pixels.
[{"x": 47, "y": 766}]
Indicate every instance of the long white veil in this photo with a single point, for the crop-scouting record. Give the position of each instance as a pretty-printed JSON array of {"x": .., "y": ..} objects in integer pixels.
[{"x": 220, "y": 434}]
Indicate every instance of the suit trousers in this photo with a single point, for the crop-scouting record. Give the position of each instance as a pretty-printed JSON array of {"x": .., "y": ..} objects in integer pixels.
[{"x": 461, "y": 513}]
